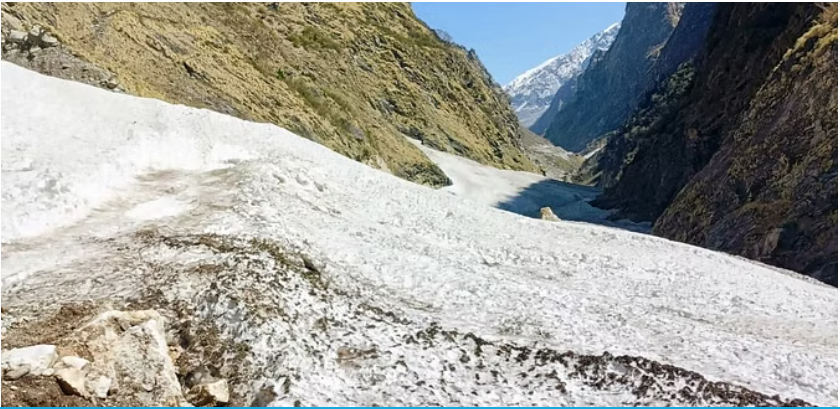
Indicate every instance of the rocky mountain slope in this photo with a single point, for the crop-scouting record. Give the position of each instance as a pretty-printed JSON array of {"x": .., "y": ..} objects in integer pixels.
[
  {"x": 738, "y": 151},
  {"x": 532, "y": 91},
  {"x": 684, "y": 43},
  {"x": 354, "y": 77},
  {"x": 669, "y": 77},
  {"x": 563, "y": 94},
  {"x": 609, "y": 92},
  {"x": 156, "y": 254},
  {"x": 555, "y": 162}
]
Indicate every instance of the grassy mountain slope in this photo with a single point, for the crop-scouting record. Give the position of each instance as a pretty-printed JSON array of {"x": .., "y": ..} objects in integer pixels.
[{"x": 354, "y": 77}]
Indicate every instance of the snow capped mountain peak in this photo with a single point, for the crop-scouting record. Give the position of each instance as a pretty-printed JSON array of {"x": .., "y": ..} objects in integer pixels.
[{"x": 531, "y": 91}]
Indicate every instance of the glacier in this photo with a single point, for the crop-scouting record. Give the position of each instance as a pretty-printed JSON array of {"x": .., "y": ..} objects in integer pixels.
[{"x": 114, "y": 197}]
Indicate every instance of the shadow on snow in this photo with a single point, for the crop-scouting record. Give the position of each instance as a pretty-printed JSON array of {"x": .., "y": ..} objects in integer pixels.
[{"x": 568, "y": 201}]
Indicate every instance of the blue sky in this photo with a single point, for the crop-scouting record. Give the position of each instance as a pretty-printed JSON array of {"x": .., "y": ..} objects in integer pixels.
[{"x": 513, "y": 37}]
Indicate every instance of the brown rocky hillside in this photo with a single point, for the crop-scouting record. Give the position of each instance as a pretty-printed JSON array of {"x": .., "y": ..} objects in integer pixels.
[
  {"x": 738, "y": 151},
  {"x": 354, "y": 77},
  {"x": 770, "y": 192}
]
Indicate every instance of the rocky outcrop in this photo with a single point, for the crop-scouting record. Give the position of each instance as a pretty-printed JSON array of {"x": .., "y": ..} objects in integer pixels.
[
  {"x": 737, "y": 152},
  {"x": 130, "y": 349},
  {"x": 669, "y": 80},
  {"x": 609, "y": 92},
  {"x": 128, "y": 363},
  {"x": 685, "y": 42},
  {"x": 33, "y": 41},
  {"x": 354, "y": 77},
  {"x": 770, "y": 192},
  {"x": 563, "y": 94}
]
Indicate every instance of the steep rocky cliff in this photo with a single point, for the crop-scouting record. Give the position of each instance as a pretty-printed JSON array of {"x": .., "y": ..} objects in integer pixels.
[
  {"x": 558, "y": 100},
  {"x": 668, "y": 80},
  {"x": 608, "y": 92},
  {"x": 563, "y": 95},
  {"x": 354, "y": 77},
  {"x": 532, "y": 91},
  {"x": 741, "y": 155},
  {"x": 685, "y": 42}
]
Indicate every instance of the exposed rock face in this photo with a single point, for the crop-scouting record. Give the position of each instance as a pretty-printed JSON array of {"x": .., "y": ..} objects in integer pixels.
[
  {"x": 563, "y": 94},
  {"x": 739, "y": 152},
  {"x": 532, "y": 92},
  {"x": 608, "y": 92},
  {"x": 685, "y": 42},
  {"x": 770, "y": 192},
  {"x": 669, "y": 80},
  {"x": 330, "y": 72}
]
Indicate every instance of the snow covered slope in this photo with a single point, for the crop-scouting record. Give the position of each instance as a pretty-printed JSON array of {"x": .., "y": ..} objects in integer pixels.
[
  {"x": 523, "y": 193},
  {"x": 531, "y": 91},
  {"x": 410, "y": 296}
]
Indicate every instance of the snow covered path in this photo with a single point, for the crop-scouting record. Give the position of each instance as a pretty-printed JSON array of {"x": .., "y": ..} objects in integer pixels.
[
  {"x": 82, "y": 166},
  {"x": 522, "y": 192}
]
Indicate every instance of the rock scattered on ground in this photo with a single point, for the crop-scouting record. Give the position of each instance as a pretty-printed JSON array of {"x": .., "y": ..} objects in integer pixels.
[
  {"x": 547, "y": 214},
  {"x": 34, "y": 40},
  {"x": 35, "y": 360},
  {"x": 38, "y": 50},
  {"x": 129, "y": 364},
  {"x": 212, "y": 393}
]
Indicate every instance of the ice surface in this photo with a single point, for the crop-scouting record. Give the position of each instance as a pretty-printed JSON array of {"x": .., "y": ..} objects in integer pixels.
[{"x": 80, "y": 163}]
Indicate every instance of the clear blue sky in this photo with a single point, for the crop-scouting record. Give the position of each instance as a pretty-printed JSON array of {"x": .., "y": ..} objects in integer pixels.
[{"x": 513, "y": 37}]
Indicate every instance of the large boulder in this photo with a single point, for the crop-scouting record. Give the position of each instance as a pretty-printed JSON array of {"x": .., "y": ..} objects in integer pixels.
[
  {"x": 130, "y": 355},
  {"x": 547, "y": 214}
]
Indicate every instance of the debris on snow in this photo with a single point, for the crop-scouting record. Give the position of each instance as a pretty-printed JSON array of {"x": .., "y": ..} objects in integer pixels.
[
  {"x": 423, "y": 275},
  {"x": 129, "y": 347}
]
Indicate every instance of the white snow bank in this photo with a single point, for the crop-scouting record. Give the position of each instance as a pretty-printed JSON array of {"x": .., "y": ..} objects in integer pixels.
[
  {"x": 49, "y": 182},
  {"x": 521, "y": 192},
  {"x": 430, "y": 255}
]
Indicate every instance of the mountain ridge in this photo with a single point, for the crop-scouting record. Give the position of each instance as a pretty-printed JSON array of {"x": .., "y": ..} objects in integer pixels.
[
  {"x": 608, "y": 92},
  {"x": 532, "y": 91}
]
